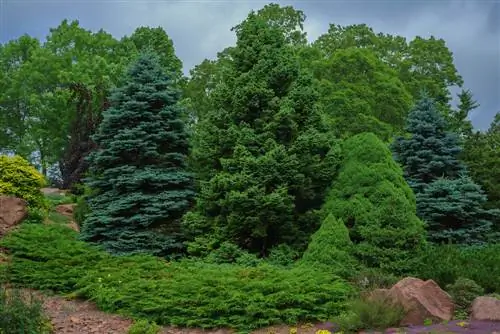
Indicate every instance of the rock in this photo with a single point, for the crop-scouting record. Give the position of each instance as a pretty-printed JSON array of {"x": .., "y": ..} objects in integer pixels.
[
  {"x": 422, "y": 300},
  {"x": 52, "y": 191},
  {"x": 66, "y": 209},
  {"x": 485, "y": 308},
  {"x": 12, "y": 212}
]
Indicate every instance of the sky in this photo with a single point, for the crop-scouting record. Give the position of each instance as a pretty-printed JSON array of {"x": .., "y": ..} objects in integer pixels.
[{"x": 201, "y": 28}]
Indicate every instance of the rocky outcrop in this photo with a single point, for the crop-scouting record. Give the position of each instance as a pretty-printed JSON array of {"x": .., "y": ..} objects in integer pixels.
[
  {"x": 485, "y": 308},
  {"x": 421, "y": 300},
  {"x": 13, "y": 211}
]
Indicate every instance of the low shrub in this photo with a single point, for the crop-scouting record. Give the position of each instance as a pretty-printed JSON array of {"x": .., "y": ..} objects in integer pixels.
[
  {"x": 372, "y": 278},
  {"x": 375, "y": 312},
  {"x": 144, "y": 327},
  {"x": 463, "y": 292},
  {"x": 19, "y": 178},
  {"x": 446, "y": 263},
  {"x": 21, "y": 313},
  {"x": 187, "y": 293}
]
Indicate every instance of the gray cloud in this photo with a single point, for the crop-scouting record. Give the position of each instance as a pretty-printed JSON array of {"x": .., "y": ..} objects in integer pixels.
[{"x": 200, "y": 29}]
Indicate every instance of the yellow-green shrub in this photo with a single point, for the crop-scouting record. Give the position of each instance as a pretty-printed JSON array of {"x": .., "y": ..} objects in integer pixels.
[{"x": 19, "y": 178}]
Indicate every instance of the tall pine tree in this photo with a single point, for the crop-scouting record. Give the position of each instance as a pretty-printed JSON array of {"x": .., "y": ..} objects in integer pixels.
[
  {"x": 139, "y": 170},
  {"x": 264, "y": 155},
  {"x": 449, "y": 202},
  {"x": 431, "y": 151}
]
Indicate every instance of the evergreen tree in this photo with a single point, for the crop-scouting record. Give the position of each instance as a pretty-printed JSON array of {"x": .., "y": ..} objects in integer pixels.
[
  {"x": 139, "y": 170},
  {"x": 458, "y": 119},
  {"x": 454, "y": 210},
  {"x": 449, "y": 202},
  {"x": 331, "y": 248},
  {"x": 263, "y": 154},
  {"x": 371, "y": 196},
  {"x": 431, "y": 151}
]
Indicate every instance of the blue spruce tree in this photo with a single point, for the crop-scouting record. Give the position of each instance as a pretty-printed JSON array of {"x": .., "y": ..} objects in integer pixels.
[
  {"x": 449, "y": 202},
  {"x": 138, "y": 173}
]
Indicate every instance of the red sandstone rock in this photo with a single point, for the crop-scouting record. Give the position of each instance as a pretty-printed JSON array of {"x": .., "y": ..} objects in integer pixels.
[
  {"x": 486, "y": 308},
  {"x": 12, "y": 212}
]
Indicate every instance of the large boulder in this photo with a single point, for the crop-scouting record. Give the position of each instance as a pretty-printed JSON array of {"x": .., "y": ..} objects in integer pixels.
[
  {"x": 421, "y": 300},
  {"x": 485, "y": 308},
  {"x": 13, "y": 211}
]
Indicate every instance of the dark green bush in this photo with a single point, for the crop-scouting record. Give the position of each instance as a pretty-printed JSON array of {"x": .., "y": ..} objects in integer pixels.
[
  {"x": 446, "y": 263},
  {"x": 283, "y": 255},
  {"x": 463, "y": 292},
  {"x": 21, "y": 313},
  {"x": 187, "y": 293}
]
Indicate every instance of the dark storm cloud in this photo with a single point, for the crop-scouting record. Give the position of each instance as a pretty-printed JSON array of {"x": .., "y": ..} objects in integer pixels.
[{"x": 200, "y": 29}]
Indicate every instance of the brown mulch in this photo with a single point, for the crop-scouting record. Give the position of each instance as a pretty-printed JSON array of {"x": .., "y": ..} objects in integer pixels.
[{"x": 77, "y": 317}]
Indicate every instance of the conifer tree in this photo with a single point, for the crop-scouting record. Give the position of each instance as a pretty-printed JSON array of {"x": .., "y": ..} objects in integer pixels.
[
  {"x": 455, "y": 211},
  {"x": 263, "y": 153},
  {"x": 431, "y": 151},
  {"x": 449, "y": 202},
  {"x": 139, "y": 170},
  {"x": 331, "y": 248},
  {"x": 373, "y": 199}
]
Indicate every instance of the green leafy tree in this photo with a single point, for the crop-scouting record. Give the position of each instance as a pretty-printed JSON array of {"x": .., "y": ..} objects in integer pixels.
[
  {"x": 431, "y": 151},
  {"x": 420, "y": 63},
  {"x": 482, "y": 157},
  {"x": 263, "y": 154},
  {"x": 361, "y": 93},
  {"x": 373, "y": 199},
  {"x": 139, "y": 169}
]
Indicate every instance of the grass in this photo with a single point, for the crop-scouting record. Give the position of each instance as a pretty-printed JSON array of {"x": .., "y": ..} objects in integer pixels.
[
  {"x": 21, "y": 313},
  {"x": 185, "y": 294}
]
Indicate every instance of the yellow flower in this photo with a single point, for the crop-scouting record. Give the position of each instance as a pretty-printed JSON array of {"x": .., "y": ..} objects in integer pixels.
[
  {"x": 293, "y": 330},
  {"x": 462, "y": 324},
  {"x": 323, "y": 331}
]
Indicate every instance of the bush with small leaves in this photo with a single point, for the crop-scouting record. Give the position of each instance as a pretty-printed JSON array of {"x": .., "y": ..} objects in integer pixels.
[
  {"x": 463, "y": 292},
  {"x": 374, "y": 312},
  {"x": 22, "y": 313},
  {"x": 20, "y": 179},
  {"x": 144, "y": 327}
]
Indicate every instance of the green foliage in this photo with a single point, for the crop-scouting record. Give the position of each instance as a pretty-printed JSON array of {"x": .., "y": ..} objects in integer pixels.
[
  {"x": 22, "y": 313},
  {"x": 283, "y": 255},
  {"x": 458, "y": 118},
  {"x": 144, "y": 327},
  {"x": 186, "y": 293},
  {"x": 369, "y": 279},
  {"x": 263, "y": 154},
  {"x": 482, "y": 157},
  {"x": 35, "y": 216},
  {"x": 375, "y": 312},
  {"x": 20, "y": 179},
  {"x": 431, "y": 151},
  {"x": 420, "y": 63},
  {"x": 139, "y": 173},
  {"x": 361, "y": 93},
  {"x": 453, "y": 210},
  {"x": 330, "y": 248},
  {"x": 447, "y": 200},
  {"x": 445, "y": 264},
  {"x": 463, "y": 292},
  {"x": 372, "y": 198}
]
